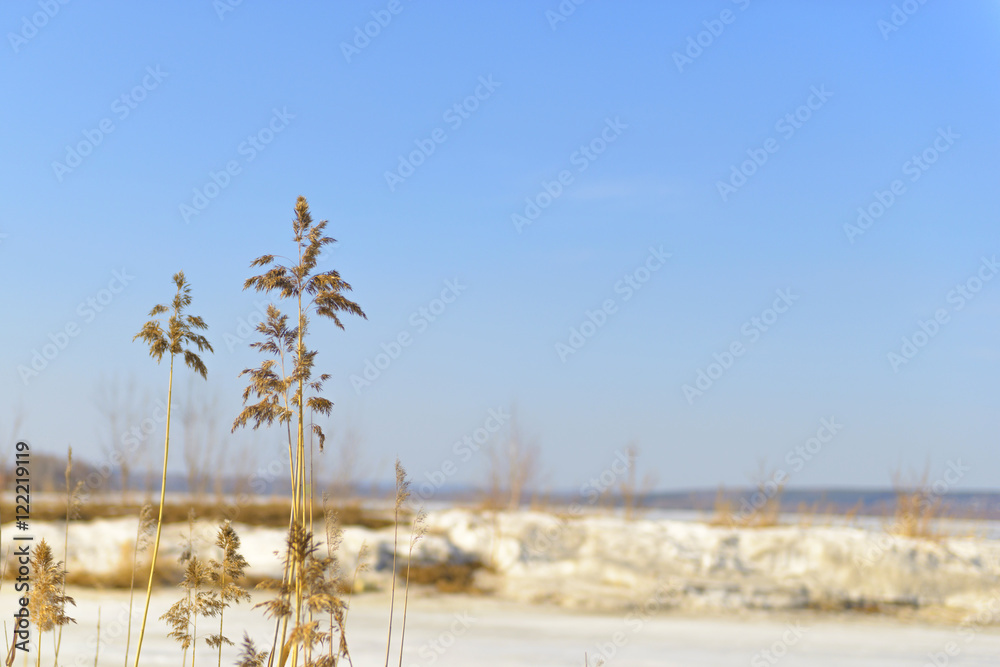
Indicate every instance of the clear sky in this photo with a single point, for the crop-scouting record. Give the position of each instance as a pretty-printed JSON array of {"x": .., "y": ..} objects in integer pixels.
[{"x": 674, "y": 173}]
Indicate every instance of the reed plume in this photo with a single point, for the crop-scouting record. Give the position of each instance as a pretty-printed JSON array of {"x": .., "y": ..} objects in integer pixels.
[
  {"x": 227, "y": 575},
  {"x": 177, "y": 339},
  {"x": 46, "y": 599}
]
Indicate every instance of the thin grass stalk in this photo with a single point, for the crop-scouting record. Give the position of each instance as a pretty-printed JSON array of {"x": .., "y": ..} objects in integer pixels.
[
  {"x": 414, "y": 535},
  {"x": 281, "y": 625},
  {"x": 3, "y": 575},
  {"x": 302, "y": 392},
  {"x": 69, "y": 504},
  {"x": 97, "y": 648},
  {"x": 291, "y": 281},
  {"x": 222, "y": 612},
  {"x": 159, "y": 519},
  {"x": 362, "y": 554},
  {"x": 310, "y": 492},
  {"x": 300, "y": 456},
  {"x": 194, "y": 629},
  {"x": 406, "y": 599},
  {"x": 131, "y": 591},
  {"x": 288, "y": 572},
  {"x": 329, "y": 552},
  {"x": 10, "y": 653},
  {"x": 400, "y": 497},
  {"x": 310, "y": 488},
  {"x": 392, "y": 596}
]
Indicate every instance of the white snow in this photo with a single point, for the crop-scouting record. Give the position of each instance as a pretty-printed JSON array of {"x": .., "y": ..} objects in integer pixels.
[
  {"x": 462, "y": 631},
  {"x": 659, "y": 582},
  {"x": 605, "y": 562}
]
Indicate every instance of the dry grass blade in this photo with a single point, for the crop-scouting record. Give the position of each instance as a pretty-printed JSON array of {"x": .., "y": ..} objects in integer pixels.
[
  {"x": 338, "y": 614},
  {"x": 319, "y": 292},
  {"x": 363, "y": 564},
  {"x": 402, "y": 495},
  {"x": 183, "y": 614},
  {"x": 97, "y": 645},
  {"x": 227, "y": 575},
  {"x": 180, "y": 335},
  {"x": 46, "y": 600},
  {"x": 917, "y": 506},
  {"x": 71, "y": 501},
  {"x": 143, "y": 532},
  {"x": 417, "y": 531}
]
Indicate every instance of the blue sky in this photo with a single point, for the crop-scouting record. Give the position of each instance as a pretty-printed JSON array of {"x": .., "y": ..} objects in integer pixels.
[{"x": 293, "y": 102}]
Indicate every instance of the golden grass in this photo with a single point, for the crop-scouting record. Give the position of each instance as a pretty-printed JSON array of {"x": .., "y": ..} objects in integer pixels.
[
  {"x": 445, "y": 577},
  {"x": 121, "y": 577},
  {"x": 729, "y": 514},
  {"x": 311, "y": 585},
  {"x": 915, "y": 514},
  {"x": 47, "y": 599},
  {"x": 917, "y": 507},
  {"x": 271, "y": 513}
]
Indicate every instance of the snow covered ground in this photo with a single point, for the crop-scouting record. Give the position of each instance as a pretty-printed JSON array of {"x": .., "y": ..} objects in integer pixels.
[
  {"x": 655, "y": 591},
  {"x": 464, "y": 631},
  {"x": 601, "y": 562}
]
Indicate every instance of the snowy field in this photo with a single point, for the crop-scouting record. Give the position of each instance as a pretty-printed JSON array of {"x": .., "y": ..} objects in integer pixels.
[
  {"x": 657, "y": 591},
  {"x": 603, "y": 563},
  {"x": 462, "y": 630}
]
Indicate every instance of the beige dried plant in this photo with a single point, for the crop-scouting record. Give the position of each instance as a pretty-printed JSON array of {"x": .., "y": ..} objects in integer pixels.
[
  {"x": 180, "y": 335},
  {"x": 227, "y": 575},
  {"x": 46, "y": 598},
  {"x": 143, "y": 534}
]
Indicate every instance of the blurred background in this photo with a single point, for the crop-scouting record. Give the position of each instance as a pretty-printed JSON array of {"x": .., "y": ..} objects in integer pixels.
[{"x": 733, "y": 238}]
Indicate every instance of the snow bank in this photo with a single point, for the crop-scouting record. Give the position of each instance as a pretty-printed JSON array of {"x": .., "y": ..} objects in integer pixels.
[{"x": 605, "y": 562}]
